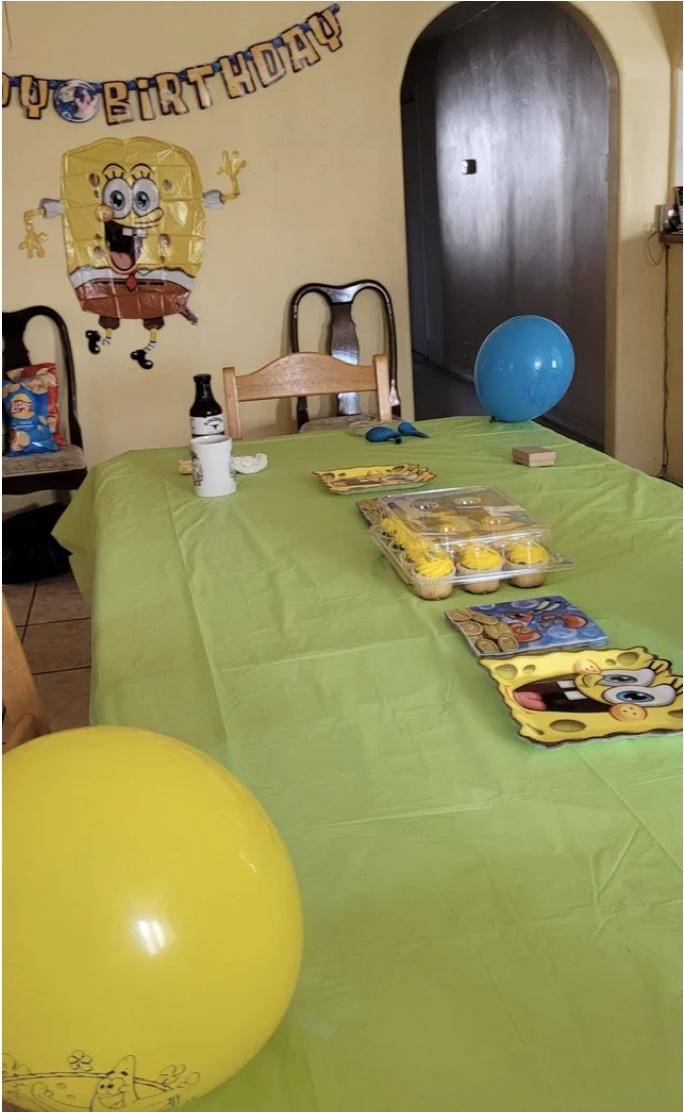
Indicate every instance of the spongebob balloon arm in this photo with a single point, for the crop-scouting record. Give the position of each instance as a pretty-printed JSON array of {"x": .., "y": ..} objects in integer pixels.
[
  {"x": 213, "y": 199},
  {"x": 234, "y": 173},
  {"x": 33, "y": 241},
  {"x": 232, "y": 165},
  {"x": 51, "y": 208}
]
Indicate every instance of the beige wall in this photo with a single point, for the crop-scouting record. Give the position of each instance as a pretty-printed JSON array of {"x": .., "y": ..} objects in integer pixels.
[
  {"x": 674, "y": 365},
  {"x": 323, "y": 199},
  {"x": 669, "y": 16}
]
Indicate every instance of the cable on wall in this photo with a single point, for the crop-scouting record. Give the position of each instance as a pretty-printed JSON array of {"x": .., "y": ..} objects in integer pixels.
[{"x": 6, "y": 18}]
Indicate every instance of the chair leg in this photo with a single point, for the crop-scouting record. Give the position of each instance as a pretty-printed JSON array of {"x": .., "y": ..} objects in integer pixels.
[{"x": 26, "y": 729}]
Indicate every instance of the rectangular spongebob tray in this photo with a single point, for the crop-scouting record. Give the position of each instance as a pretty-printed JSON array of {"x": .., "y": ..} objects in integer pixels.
[{"x": 391, "y": 476}]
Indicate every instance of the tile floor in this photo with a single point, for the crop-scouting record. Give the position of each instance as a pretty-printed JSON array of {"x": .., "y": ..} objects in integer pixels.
[{"x": 54, "y": 624}]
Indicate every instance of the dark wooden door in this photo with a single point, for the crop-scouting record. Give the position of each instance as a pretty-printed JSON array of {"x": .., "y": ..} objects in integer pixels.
[
  {"x": 519, "y": 89},
  {"x": 414, "y": 228}
]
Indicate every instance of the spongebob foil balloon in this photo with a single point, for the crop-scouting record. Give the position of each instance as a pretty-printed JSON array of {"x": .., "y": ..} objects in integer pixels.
[
  {"x": 134, "y": 222},
  {"x": 559, "y": 698}
]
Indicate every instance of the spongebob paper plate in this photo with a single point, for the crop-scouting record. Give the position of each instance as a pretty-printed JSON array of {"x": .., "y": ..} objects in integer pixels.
[
  {"x": 351, "y": 480},
  {"x": 566, "y": 697}
]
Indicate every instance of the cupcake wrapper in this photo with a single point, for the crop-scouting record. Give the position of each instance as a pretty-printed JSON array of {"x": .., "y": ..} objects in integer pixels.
[
  {"x": 481, "y": 586},
  {"x": 440, "y": 587},
  {"x": 535, "y": 577}
]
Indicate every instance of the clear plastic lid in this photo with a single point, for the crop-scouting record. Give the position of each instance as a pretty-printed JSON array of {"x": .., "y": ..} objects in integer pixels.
[
  {"x": 487, "y": 537},
  {"x": 478, "y": 513}
]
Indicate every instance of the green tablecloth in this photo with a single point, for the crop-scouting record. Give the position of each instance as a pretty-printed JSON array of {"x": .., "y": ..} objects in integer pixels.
[{"x": 489, "y": 925}]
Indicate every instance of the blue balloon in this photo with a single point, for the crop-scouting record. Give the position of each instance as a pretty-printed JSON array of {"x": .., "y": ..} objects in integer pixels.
[{"x": 523, "y": 368}]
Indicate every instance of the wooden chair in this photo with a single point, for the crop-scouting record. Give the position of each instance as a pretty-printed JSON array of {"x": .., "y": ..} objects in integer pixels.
[
  {"x": 19, "y": 695},
  {"x": 62, "y": 470},
  {"x": 343, "y": 344},
  {"x": 305, "y": 373}
]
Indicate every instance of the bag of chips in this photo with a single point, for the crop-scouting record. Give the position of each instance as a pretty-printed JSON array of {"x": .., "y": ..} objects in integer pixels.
[
  {"x": 26, "y": 408},
  {"x": 50, "y": 372}
]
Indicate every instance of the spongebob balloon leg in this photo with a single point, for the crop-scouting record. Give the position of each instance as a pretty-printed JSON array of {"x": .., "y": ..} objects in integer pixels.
[{"x": 134, "y": 225}]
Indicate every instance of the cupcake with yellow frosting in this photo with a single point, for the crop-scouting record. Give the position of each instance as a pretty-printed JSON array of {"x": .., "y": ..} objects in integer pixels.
[
  {"x": 479, "y": 558},
  {"x": 432, "y": 567},
  {"x": 496, "y": 523},
  {"x": 527, "y": 554},
  {"x": 447, "y": 523}
]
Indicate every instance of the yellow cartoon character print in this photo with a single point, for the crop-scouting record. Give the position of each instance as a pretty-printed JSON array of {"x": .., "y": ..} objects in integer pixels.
[
  {"x": 134, "y": 224},
  {"x": 559, "y": 698},
  {"x": 80, "y": 1088}
]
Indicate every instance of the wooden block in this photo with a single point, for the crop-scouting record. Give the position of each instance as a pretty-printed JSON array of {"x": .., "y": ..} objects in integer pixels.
[{"x": 534, "y": 457}]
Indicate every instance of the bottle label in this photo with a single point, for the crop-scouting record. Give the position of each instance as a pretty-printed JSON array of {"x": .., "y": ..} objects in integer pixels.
[{"x": 207, "y": 426}]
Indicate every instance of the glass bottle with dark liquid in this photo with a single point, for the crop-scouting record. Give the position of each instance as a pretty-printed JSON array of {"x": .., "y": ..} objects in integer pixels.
[{"x": 206, "y": 415}]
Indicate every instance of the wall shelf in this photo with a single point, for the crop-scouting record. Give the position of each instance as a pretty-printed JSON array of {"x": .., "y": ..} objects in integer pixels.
[{"x": 670, "y": 237}]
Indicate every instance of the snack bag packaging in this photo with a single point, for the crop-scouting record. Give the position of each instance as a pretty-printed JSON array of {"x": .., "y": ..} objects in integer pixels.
[
  {"x": 49, "y": 370},
  {"x": 26, "y": 409}
]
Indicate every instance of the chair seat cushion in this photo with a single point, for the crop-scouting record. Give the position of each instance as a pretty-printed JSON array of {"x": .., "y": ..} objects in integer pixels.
[
  {"x": 331, "y": 424},
  {"x": 69, "y": 458}
]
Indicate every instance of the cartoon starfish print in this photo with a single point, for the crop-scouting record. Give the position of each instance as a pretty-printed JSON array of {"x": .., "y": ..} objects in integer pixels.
[{"x": 116, "y": 1091}]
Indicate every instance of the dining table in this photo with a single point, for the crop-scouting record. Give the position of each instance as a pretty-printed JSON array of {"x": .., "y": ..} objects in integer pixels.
[{"x": 490, "y": 924}]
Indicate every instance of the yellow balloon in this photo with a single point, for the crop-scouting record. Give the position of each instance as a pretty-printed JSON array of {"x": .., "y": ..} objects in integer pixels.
[{"x": 152, "y": 926}]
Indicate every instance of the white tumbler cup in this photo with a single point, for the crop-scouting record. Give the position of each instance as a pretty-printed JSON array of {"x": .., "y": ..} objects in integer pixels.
[{"x": 213, "y": 470}]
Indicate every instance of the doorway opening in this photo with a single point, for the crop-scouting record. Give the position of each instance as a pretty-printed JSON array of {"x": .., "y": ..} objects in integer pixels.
[{"x": 506, "y": 140}]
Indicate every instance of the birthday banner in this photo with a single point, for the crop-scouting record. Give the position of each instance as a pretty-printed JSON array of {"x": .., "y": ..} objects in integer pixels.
[{"x": 243, "y": 73}]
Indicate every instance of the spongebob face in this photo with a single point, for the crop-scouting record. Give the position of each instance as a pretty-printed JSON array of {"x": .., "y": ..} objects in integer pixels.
[
  {"x": 131, "y": 205},
  {"x": 130, "y": 208},
  {"x": 629, "y": 693},
  {"x": 567, "y": 697}
]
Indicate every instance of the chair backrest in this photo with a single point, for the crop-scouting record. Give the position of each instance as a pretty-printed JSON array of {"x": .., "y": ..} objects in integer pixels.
[
  {"x": 19, "y": 695},
  {"x": 342, "y": 339},
  {"x": 15, "y": 354},
  {"x": 304, "y": 373}
]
